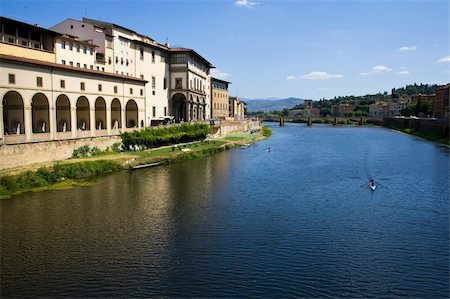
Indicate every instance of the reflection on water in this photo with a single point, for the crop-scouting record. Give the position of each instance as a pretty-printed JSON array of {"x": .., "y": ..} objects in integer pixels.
[{"x": 298, "y": 221}]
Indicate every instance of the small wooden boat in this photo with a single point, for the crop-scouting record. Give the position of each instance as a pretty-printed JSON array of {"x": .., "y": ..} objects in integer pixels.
[
  {"x": 372, "y": 185},
  {"x": 143, "y": 166}
]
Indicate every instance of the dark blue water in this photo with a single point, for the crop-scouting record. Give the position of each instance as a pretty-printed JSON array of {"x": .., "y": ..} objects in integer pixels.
[{"x": 298, "y": 221}]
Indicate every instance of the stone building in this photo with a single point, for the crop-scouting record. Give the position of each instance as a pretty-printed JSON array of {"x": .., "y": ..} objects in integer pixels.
[
  {"x": 91, "y": 78},
  {"x": 440, "y": 105},
  {"x": 219, "y": 99}
]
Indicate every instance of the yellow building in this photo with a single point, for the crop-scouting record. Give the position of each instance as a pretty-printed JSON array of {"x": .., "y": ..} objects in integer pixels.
[{"x": 219, "y": 99}]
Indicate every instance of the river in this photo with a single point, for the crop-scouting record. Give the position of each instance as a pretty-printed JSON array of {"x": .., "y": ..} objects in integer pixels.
[{"x": 296, "y": 221}]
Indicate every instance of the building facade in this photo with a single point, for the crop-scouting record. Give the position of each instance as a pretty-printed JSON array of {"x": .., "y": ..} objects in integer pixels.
[
  {"x": 219, "y": 99},
  {"x": 237, "y": 108},
  {"x": 440, "y": 105},
  {"x": 189, "y": 96},
  {"x": 91, "y": 78}
]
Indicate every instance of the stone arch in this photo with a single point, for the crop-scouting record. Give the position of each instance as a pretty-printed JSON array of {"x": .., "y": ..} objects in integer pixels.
[
  {"x": 179, "y": 107},
  {"x": 131, "y": 114},
  {"x": 63, "y": 116},
  {"x": 13, "y": 113},
  {"x": 40, "y": 117},
  {"x": 83, "y": 115},
  {"x": 100, "y": 114},
  {"x": 116, "y": 114}
]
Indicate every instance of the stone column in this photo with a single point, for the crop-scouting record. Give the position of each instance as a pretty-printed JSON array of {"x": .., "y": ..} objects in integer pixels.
[
  {"x": 108, "y": 119},
  {"x": 92, "y": 121},
  {"x": 53, "y": 124},
  {"x": 2, "y": 129},
  {"x": 28, "y": 123},
  {"x": 73, "y": 121},
  {"x": 122, "y": 115}
]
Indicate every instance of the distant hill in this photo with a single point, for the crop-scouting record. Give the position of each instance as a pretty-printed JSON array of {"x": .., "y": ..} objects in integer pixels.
[{"x": 270, "y": 104}]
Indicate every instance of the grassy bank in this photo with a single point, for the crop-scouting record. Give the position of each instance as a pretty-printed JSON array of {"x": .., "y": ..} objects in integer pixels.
[
  {"x": 83, "y": 171},
  {"x": 429, "y": 137}
]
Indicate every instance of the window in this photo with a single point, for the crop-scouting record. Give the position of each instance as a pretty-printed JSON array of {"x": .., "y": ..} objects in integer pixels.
[
  {"x": 109, "y": 60},
  {"x": 153, "y": 56},
  {"x": 117, "y": 59},
  {"x": 92, "y": 67},
  {"x": 127, "y": 61},
  {"x": 99, "y": 87},
  {"x": 84, "y": 50},
  {"x": 98, "y": 68},
  {"x": 63, "y": 61},
  {"x": 115, "y": 89},
  {"x": 78, "y": 48},
  {"x": 12, "y": 79},
  {"x": 85, "y": 66},
  {"x": 82, "y": 86},
  {"x": 165, "y": 111},
  {"x": 153, "y": 111},
  {"x": 91, "y": 51},
  {"x": 39, "y": 82},
  {"x": 142, "y": 76},
  {"x": 24, "y": 43},
  {"x": 121, "y": 60},
  {"x": 178, "y": 83},
  {"x": 153, "y": 82},
  {"x": 142, "y": 92},
  {"x": 141, "y": 51},
  {"x": 103, "y": 69},
  {"x": 63, "y": 44},
  {"x": 70, "y": 46},
  {"x": 71, "y": 63},
  {"x": 71, "y": 26},
  {"x": 165, "y": 83},
  {"x": 78, "y": 64},
  {"x": 153, "y": 92},
  {"x": 62, "y": 84},
  {"x": 131, "y": 90}
]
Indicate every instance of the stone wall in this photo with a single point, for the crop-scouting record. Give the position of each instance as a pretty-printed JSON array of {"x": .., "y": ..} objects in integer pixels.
[
  {"x": 438, "y": 127},
  {"x": 226, "y": 127},
  {"x": 18, "y": 155}
]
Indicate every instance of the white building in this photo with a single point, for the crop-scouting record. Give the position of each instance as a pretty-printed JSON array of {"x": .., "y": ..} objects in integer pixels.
[
  {"x": 190, "y": 95},
  {"x": 43, "y": 100}
]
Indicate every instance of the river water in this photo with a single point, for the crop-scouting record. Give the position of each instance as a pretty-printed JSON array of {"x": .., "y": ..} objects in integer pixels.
[{"x": 296, "y": 221}]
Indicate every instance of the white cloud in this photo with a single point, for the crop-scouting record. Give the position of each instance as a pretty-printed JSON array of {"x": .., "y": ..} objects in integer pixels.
[
  {"x": 403, "y": 67},
  {"x": 445, "y": 59},
  {"x": 321, "y": 76},
  {"x": 406, "y": 48},
  {"x": 290, "y": 77},
  {"x": 245, "y": 3},
  {"x": 403, "y": 73},
  {"x": 216, "y": 73},
  {"x": 364, "y": 74},
  {"x": 380, "y": 69}
]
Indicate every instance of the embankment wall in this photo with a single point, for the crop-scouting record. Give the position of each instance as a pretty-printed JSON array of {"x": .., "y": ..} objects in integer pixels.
[
  {"x": 18, "y": 155},
  {"x": 438, "y": 127}
]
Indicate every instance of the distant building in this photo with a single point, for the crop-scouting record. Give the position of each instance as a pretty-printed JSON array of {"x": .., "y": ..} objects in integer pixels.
[
  {"x": 308, "y": 104},
  {"x": 383, "y": 109},
  {"x": 441, "y": 107},
  {"x": 219, "y": 99},
  {"x": 341, "y": 109},
  {"x": 237, "y": 108},
  {"x": 424, "y": 98}
]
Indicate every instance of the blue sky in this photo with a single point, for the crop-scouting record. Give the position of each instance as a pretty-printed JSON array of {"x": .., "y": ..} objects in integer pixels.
[{"x": 300, "y": 48}]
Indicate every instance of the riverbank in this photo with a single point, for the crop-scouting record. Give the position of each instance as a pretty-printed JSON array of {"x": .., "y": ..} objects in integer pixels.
[{"x": 84, "y": 171}]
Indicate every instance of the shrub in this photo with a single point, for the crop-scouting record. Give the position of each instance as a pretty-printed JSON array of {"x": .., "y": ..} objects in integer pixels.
[
  {"x": 154, "y": 137},
  {"x": 266, "y": 131}
]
